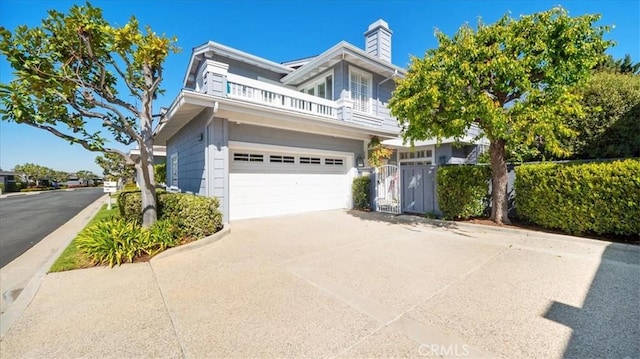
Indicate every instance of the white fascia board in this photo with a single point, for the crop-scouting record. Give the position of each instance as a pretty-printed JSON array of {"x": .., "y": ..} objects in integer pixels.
[
  {"x": 235, "y": 54},
  {"x": 340, "y": 48}
]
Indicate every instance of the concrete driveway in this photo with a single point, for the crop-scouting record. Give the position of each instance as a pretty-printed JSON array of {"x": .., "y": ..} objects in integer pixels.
[{"x": 338, "y": 284}]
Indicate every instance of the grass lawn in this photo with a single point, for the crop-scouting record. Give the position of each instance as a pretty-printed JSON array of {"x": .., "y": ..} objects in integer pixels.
[{"x": 72, "y": 258}]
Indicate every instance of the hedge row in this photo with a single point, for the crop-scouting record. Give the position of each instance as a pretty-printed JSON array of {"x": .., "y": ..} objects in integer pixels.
[
  {"x": 195, "y": 216},
  {"x": 463, "y": 191},
  {"x": 360, "y": 189},
  {"x": 581, "y": 198}
]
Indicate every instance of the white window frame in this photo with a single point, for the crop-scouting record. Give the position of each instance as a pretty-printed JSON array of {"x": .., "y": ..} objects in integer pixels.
[
  {"x": 174, "y": 170},
  {"x": 369, "y": 101},
  {"x": 430, "y": 159},
  {"x": 322, "y": 78}
]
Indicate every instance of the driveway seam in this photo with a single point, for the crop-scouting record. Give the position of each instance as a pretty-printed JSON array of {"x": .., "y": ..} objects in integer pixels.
[{"x": 166, "y": 307}]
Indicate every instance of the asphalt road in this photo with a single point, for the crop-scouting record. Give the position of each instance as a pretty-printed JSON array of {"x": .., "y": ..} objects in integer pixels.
[{"x": 26, "y": 219}]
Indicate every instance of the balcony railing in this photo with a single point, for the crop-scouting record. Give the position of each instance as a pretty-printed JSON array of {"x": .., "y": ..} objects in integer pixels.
[{"x": 263, "y": 93}]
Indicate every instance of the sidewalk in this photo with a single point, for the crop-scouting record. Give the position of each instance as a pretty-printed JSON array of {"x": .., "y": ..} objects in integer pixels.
[
  {"x": 21, "y": 278},
  {"x": 351, "y": 287}
]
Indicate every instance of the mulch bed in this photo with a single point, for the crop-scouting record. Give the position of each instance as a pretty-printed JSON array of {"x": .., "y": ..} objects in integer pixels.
[{"x": 516, "y": 224}]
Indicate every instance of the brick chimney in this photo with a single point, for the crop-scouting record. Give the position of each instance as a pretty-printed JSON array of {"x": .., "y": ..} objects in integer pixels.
[{"x": 378, "y": 40}]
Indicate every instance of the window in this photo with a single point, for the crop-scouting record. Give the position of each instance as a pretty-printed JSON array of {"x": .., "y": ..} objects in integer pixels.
[
  {"x": 360, "y": 88},
  {"x": 417, "y": 154},
  {"x": 174, "y": 170},
  {"x": 281, "y": 159},
  {"x": 310, "y": 160},
  {"x": 248, "y": 157},
  {"x": 333, "y": 161},
  {"x": 321, "y": 87}
]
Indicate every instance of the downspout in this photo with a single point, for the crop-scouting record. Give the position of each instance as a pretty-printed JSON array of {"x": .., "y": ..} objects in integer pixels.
[
  {"x": 395, "y": 73},
  {"x": 207, "y": 156}
]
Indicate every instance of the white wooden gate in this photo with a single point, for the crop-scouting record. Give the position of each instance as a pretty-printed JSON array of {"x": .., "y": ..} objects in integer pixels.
[{"x": 388, "y": 189}]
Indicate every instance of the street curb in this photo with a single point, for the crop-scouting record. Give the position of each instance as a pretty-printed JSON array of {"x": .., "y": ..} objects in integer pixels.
[
  {"x": 195, "y": 244},
  {"x": 16, "y": 308},
  {"x": 522, "y": 232}
]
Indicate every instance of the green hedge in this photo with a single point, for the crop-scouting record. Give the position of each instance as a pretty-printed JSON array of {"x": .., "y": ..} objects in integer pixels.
[
  {"x": 195, "y": 216},
  {"x": 581, "y": 198},
  {"x": 360, "y": 188},
  {"x": 463, "y": 191}
]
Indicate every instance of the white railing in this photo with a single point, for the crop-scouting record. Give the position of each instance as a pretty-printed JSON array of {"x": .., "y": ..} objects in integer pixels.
[{"x": 277, "y": 96}]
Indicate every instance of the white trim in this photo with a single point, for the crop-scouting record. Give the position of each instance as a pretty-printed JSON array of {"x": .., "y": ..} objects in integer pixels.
[
  {"x": 369, "y": 77},
  {"x": 431, "y": 158},
  {"x": 235, "y": 54},
  {"x": 339, "y": 50},
  {"x": 318, "y": 79},
  {"x": 259, "y": 147}
]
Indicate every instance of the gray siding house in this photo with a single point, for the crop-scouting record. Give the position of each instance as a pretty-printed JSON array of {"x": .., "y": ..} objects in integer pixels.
[{"x": 268, "y": 139}]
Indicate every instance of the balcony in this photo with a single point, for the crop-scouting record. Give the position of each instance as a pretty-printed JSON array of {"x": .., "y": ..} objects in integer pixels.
[
  {"x": 242, "y": 88},
  {"x": 214, "y": 79}
]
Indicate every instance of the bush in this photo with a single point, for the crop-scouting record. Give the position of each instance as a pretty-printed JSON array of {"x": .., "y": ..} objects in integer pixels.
[
  {"x": 116, "y": 241},
  {"x": 360, "y": 188},
  {"x": 2, "y": 188},
  {"x": 463, "y": 191},
  {"x": 194, "y": 216},
  {"x": 602, "y": 198}
]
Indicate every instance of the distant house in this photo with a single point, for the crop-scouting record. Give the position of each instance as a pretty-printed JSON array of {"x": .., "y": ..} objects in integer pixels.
[
  {"x": 271, "y": 138},
  {"x": 8, "y": 180}
]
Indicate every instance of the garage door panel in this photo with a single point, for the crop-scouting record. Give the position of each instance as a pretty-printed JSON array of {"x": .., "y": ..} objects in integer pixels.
[{"x": 259, "y": 189}]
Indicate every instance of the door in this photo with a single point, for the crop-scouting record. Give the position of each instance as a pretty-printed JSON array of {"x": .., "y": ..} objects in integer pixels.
[
  {"x": 264, "y": 183},
  {"x": 418, "y": 188}
]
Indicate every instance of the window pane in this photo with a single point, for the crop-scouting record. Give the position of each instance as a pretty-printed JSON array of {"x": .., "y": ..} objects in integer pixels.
[
  {"x": 321, "y": 90},
  {"x": 329, "y": 88}
]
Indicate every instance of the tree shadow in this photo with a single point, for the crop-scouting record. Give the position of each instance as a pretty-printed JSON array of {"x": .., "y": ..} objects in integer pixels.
[
  {"x": 406, "y": 219},
  {"x": 608, "y": 324}
]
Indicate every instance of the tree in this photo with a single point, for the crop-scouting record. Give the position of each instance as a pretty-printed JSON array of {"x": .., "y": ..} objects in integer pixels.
[
  {"x": 59, "y": 176},
  {"x": 85, "y": 176},
  {"x": 32, "y": 172},
  {"x": 513, "y": 79},
  {"x": 611, "y": 127},
  {"x": 114, "y": 167},
  {"x": 623, "y": 66},
  {"x": 76, "y": 68}
]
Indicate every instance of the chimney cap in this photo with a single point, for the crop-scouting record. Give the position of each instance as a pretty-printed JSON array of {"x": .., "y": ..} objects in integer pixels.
[{"x": 380, "y": 23}]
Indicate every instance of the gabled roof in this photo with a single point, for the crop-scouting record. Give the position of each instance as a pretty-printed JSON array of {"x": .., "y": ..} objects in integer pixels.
[
  {"x": 210, "y": 48},
  {"x": 342, "y": 51}
]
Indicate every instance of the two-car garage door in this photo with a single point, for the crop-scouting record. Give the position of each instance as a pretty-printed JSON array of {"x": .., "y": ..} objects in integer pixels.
[{"x": 274, "y": 182}]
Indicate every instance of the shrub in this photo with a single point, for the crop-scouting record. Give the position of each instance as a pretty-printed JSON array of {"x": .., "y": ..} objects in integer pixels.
[
  {"x": 2, "y": 187},
  {"x": 360, "y": 188},
  {"x": 463, "y": 191},
  {"x": 116, "y": 241},
  {"x": 194, "y": 216},
  {"x": 110, "y": 242},
  {"x": 602, "y": 198}
]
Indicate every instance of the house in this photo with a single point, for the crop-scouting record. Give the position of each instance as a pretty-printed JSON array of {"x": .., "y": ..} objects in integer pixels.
[
  {"x": 8, "y": 180},
  {"x": 271, "y": 138}
]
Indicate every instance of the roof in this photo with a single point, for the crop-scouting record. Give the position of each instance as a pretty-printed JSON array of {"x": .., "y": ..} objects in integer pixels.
[
  {"x": 342, "y": 51},
  {"x": 206, "y": 50}
]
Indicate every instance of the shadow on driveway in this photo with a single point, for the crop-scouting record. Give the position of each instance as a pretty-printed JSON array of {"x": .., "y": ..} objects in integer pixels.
[
  {"x": 608, "y": 324},
  {"x": 402, "y": 219}
]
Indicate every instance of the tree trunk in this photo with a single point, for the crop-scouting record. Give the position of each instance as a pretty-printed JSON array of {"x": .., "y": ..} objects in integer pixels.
[
  {"x": 500, "y": 206},
  {"x": 145, "y": 165}
]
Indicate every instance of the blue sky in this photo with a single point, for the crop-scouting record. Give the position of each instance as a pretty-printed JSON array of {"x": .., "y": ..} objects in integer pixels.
[{"x": 280, "y": 31}]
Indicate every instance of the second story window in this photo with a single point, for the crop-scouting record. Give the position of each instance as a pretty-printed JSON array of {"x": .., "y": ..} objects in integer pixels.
[
  {"x": 321, "y": 87},
  {"x": 360, "y": 88}
]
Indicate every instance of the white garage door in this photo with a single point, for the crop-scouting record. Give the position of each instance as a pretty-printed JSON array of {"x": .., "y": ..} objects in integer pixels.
[{"x": 269, "y": 183}]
